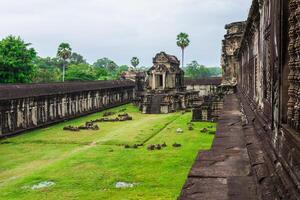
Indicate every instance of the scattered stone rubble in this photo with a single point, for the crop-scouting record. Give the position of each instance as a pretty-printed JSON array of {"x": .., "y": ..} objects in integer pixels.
[
  {"x": 179, "y": 130},
  {"x": 176, "y": 145},
  {"x": 106, "y": 114},
  {"x": 204, "y": 130},
  {"x": 71, "y": 128},
  {"x": 91, "y": 126},
  {"x": 40, "y": 185},
  {"x": 121, "y": 117},
  {"x": 87, "y": 126},
  {"x": 190, "y": 126},
  {"x": 135, "y": 146},
  {"x": 152, "y": 147}
]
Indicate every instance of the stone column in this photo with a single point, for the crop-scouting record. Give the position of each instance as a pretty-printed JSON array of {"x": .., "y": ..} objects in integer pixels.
[
  {"x": 164, "y": 80},
  {"x": 153, "y": 81}
]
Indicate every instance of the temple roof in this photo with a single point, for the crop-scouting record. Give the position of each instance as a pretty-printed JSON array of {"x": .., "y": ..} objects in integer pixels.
[
  {"x": 15, "y": 91},
  {"x": 171, "y": 58}
]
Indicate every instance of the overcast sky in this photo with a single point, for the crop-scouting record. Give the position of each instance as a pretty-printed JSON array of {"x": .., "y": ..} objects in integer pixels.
[{"x": 121, "y": 29}]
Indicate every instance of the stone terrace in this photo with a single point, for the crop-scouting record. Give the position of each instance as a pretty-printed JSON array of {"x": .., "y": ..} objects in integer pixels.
[{"x": 235, "y": 165}]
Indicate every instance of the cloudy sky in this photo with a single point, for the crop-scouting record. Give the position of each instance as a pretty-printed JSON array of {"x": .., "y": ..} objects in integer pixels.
[{"x": 121, "y": 29}]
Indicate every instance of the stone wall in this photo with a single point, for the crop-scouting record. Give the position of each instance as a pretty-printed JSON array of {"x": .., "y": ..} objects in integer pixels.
[
  {"x": 268, "y": 81},
  {"x": 230, "y": 46},
  {"x": 209, "y": 110},
  {"x": 27, "y": 106},
  {"x": 204, "y": 86}
]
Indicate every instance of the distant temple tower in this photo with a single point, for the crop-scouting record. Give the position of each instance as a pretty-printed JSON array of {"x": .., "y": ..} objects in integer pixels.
[{"x": 165, "y": 90}]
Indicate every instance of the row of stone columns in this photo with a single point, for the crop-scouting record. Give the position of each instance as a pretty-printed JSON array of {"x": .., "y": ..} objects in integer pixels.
[{"x": 25, "y": 113}]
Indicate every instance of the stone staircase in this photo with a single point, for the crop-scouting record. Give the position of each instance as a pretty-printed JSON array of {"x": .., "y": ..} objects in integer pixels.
[{"x": 155, "y": 104}]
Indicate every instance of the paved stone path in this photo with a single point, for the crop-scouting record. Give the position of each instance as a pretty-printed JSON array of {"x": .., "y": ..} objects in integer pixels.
[{"x": 224, "y": 172}]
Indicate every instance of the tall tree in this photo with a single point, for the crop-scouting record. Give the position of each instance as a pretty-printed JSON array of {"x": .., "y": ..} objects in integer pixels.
[
  {"x": 183, "y": 41},
  {"x": 16, "y": 60},
  {"x": 64, "y": 53},
  {"x": 135, "y": 62}
]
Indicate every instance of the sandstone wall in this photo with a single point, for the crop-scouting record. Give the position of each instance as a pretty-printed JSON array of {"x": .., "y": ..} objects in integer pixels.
[
  {"x": 230, "y": 46},
  {"x": 269, "y": 82},
  {"x": 23, "y": 107},
  {"x": 204, "y": 86}
]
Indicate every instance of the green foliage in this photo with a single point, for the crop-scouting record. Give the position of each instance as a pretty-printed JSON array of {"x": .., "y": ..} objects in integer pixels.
[
  {"x": 183, "y": 40},
  {"x": 135, "y": 62},
  {"x": 19, "y": 64},
  {"x": 76, "y": 59},
  {"x": 123, "y": 68},
  {"x": 64, "y": 51},
  {"x": 215, "y": 71},
  {"x": 16, "y": 61},
  {"x": 101, "y": 73},
  {"x": 107, "y": 69},
  {"x": 80, "y": 72},
  {"x": 194, "y": 70},
  {"x": 47, "y": 70},
  {"x": 107, "y": 64}
]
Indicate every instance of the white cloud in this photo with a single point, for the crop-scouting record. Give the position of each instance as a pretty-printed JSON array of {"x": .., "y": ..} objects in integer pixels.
[{"x": 120, "y": 29}]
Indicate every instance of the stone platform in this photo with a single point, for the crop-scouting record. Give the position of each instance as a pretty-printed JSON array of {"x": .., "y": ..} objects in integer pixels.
[{"x": 235, "y": 165}]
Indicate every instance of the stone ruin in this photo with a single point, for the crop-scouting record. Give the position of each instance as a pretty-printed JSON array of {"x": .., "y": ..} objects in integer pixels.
[
  {"x": 87, "y": 126},
  {"x": 165, "y": 91},
  {"x": 91, "y": 126},
  {"x": 119, "y": 118},
  {"x": 256, "y": 151},
  {"x": 209, "y": 110},
  {"x": 27, "y": 106},
  {"x": 229, "y": 59}
]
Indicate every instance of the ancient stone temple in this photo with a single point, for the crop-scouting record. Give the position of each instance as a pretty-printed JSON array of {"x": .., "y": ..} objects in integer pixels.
[
  {"x": 256, "y": 150},
  {"x": 165, "y": 90},
  {"x": 230, "y": 46}
]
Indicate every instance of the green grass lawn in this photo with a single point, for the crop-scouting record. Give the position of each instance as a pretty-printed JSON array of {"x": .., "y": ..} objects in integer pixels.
[{"x": 88, "y": 164}]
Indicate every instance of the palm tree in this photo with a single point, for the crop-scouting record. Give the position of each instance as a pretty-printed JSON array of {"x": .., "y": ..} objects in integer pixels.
[
  {"x": 135, "y": 62},
  {"x": 183, "y": 41},
  {"x": 64, "y": 52}
]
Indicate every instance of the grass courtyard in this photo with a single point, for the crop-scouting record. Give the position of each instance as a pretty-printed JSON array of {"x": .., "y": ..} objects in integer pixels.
[{"x": 88, "y": 164}]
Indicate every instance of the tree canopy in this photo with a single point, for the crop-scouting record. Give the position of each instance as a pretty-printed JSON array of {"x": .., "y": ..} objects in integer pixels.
[
  {"x": 19, "y": 64},
  {"x": 195, "y": 70},
  {"x": 135, "y": 62},
  {"x": 80, "y": 72},
  {"x": 76, "y": 59},
  {"x": 107, "y": 64},
  {"x": 64, "y": 52},
  {"x": 47, "y": 70},
  {"x": 16, "y": 61},
  {"x": 182, "y": 41}
]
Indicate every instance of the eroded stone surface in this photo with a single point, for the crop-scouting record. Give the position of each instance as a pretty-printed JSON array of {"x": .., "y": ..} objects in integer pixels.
[{"x": 224, "y": 172}]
